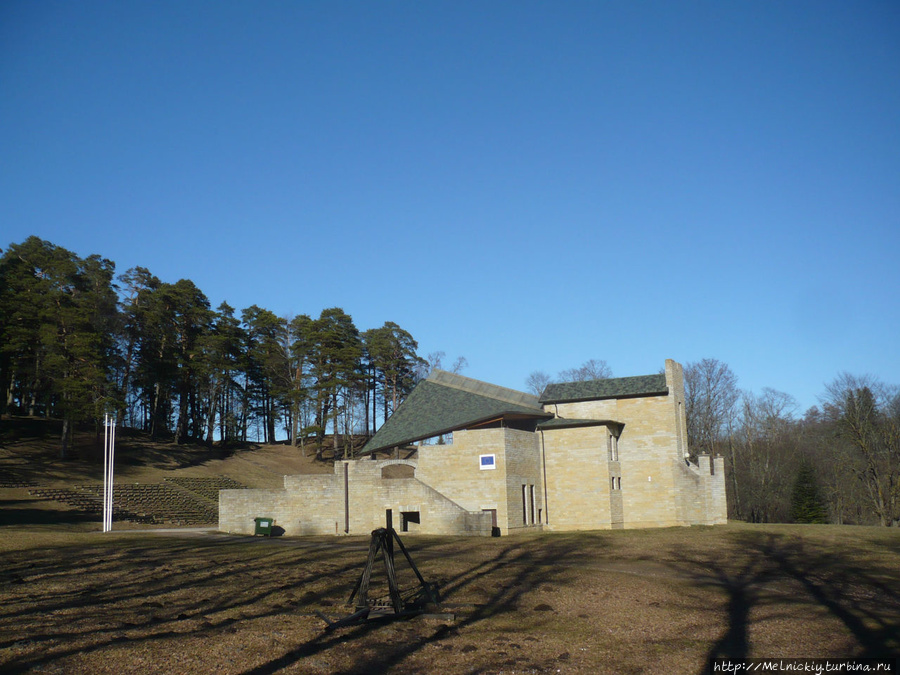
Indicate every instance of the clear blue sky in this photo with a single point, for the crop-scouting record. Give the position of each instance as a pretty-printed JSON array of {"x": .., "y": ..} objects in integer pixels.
[{"x": 526, "y": 184}]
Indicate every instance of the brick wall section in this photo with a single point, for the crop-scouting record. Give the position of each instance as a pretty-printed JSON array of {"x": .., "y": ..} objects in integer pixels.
[
  {"x": 578, "y": 468},
  {"x": 315, "y": 505},
  {"x": 718, "y": 507},
  {"x": 658, "y": 488},
  {"x": 455, "y": 471},
  {"x": 577, "y": 473},
  {"x": 308, "y": 505},
  {"x": 371, "y": 496}
]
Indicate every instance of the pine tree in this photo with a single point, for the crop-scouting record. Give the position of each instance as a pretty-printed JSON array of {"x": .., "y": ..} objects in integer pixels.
[{"x": 57, "y": 317}]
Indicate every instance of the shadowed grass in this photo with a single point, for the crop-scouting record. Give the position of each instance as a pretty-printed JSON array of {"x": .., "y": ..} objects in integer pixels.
[{"x": 625, "y": 601}]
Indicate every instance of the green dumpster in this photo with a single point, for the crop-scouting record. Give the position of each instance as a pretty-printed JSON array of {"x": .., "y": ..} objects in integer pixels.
[{"x": 264, "y": 526}]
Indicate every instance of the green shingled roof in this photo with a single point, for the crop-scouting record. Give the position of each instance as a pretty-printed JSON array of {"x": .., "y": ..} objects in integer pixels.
[
  {"x": 614, "y": 387},
  {"x": 445, "y": 402}
]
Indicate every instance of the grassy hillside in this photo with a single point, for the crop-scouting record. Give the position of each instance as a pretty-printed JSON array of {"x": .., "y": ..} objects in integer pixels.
[
  {"x": 29, "y": 458},
  {"x": 29, "y": 451}
]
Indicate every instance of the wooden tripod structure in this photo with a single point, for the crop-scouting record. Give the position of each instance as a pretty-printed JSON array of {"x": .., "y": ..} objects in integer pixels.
[{"x": 402, "y": 604}]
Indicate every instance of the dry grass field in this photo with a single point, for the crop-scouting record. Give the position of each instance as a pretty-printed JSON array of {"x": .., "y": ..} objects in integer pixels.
[{"x": 75, "y": 600}]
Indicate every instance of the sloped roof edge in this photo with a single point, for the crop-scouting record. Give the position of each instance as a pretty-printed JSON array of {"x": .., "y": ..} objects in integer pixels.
[
  {"x": 435, "y": 407},
  {"x": 480, "y": 388},
  {"x": 614, "y": 387}
]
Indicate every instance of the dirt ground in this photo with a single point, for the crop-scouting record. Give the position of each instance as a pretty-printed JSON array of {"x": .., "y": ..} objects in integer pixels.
[
  {"x": 74, "y": 600},
  {"x": 652, "y": 601}
]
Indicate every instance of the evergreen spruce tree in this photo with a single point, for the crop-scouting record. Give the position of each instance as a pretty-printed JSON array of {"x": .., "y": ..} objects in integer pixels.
[{"x": 807, "y": 505}]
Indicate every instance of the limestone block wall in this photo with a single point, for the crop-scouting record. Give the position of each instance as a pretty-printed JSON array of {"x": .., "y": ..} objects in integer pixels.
[
  {"x": 577, "y": 479},
  {"x": 690, "y": 493},
  {"x": 238, "y": 508},
  {"x": 371, "y": 496},
  {"x": 455, "y": 471},
  {"x": 308, "y": 505},
  {"x": 700, "y": 492},
  {"x": 524, "y": 496},
  {"x": 718, "y": 514},
  {"x": 352, "y": 500},
  {"x": 647, "y": 447},
  {"x": 675, "y": 383}
]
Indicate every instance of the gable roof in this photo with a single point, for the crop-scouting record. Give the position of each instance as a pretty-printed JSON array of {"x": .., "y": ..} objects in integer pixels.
[
  {"x": 614, "y": 387},
  {"x": 445, "y": 402}
]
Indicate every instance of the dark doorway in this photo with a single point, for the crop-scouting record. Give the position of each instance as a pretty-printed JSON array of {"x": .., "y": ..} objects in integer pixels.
[
  {"x": 407, "y": 519},
  {"x": 495, "y": 528}
]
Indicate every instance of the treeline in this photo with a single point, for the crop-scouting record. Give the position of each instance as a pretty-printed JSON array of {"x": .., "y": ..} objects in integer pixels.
[
  {"x": 77, "y": 342},
  {"x": 837, "y": 463}
]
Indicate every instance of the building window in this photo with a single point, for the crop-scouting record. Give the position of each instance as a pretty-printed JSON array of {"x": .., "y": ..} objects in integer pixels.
[
  {"x": 524, "y": 504},
  {"x": 612, "y": 446},
  {"x": 487, "y": 462},
  {"x": 615, "y": 483},
  {"x": 531, "y": 502}
]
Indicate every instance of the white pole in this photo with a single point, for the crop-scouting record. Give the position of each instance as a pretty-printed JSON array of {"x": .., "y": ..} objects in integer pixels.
[
  {"x": 112, "y": 455},
  {"x": 105, "y": 465},
  {"x": 109, "y": 446}
]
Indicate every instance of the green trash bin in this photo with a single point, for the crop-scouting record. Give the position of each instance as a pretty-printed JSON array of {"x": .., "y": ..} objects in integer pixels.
[{"x": 264, "y": 526}]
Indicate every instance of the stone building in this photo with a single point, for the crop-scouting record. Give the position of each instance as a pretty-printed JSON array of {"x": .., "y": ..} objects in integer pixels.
[{"x": 585, "y": 455}]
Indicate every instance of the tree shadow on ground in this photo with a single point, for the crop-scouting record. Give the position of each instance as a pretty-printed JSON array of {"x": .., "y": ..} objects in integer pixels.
[
  {"x": 788, "y": 575},
  {"x": 514, "y": 569},
  {"x": 22, "y": 512},
  {"x": 56, "y": 604},
  {"x": 148, "y": 592}
]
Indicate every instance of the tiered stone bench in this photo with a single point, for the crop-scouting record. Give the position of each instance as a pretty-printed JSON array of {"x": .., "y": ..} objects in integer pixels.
[
  {"x": 206, "y": 487},
  {"x": 180, "y": 501},
  {"x": 10, "y": 479}
]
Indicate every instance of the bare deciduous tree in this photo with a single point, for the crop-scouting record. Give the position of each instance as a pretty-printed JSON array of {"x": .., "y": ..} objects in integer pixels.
[
  {"x": 537, "y": 381},
  {"x": 711, "y": 395},
  {"x": 435, "y": 361},
  {"x": 763, "y": 457},
  {"x": 866, "y": 415},
  {"x": 592, "y": 369}
]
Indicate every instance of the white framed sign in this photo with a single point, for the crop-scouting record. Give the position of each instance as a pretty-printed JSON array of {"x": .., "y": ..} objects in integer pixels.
[{"x": 487, "y": 462}]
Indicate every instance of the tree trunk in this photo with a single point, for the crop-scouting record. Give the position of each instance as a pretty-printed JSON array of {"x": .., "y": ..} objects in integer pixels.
[
  {"x": 270, "y": 419},
  {"x": 64, "y": 439}
]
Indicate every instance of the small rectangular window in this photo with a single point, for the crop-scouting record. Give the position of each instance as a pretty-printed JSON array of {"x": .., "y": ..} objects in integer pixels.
[
  {"x": 531, "y": 503},
  {"x": 487, "y": 462},
  {"x": 524, "y": 504}
]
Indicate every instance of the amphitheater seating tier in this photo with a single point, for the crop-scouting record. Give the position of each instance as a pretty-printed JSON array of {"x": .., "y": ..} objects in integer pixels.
[{"x": 179, "y": 501}]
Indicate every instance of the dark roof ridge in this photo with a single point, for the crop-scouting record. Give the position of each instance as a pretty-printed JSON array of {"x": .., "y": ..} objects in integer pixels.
[
  {"x": 480, "y": 388},
  {"x": 613, "y": 387}
]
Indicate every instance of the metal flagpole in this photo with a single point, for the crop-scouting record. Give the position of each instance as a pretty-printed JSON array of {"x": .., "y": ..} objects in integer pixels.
[
  {"x": 112, "y": 455},
  {"x": 105, "y": 458},
  {"x": 109, "y": 445}
]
